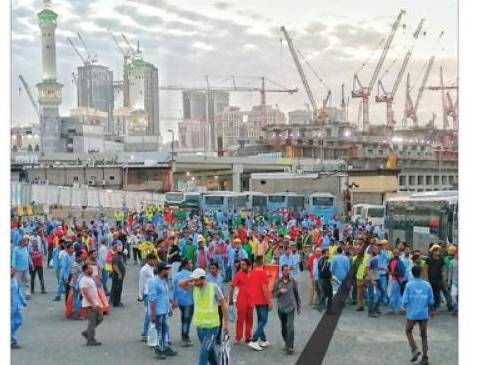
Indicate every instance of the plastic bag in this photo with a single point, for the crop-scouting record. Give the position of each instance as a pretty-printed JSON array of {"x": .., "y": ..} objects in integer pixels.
[
  {"x": 152, "y": 336},
  {"x": 223, "y": 351}
]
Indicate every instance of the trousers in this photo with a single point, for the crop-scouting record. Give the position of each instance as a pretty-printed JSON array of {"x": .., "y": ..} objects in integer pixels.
[
  {"x": 15, "y": 323},
  {"x": 287, "y": 321},
  {"x": 94, "y": 319},
  {"x": 207, "y": 336},
  {"x": 186, "y": 313},
  {"x": 262, "y": 318},
  {"x": 423, "y": 334},
  {"x": 33, "y": 273},
  {"x": 116, "y": 291},
  {"x": 244, "y": 321}
]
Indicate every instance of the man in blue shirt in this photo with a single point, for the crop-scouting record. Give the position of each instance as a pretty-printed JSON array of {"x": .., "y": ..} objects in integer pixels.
[
  {"x": 21, "y": 263},
  {"x": 419, "y": 303},
  {"x": 65, "y": 267},
  {"x": 184, "y": 300},
  {"x": 17, "y": 300},
  {"x": 339, "y": 267},
  {"x": 159, "y": 300},
  {"x": 288, "y": 259}
]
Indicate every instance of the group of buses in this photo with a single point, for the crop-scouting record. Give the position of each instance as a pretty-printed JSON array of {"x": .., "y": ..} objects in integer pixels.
[{"x": 418, "y": 218}]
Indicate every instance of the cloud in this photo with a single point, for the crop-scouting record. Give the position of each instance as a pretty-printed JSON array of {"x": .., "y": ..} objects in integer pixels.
[
  {"x": 315, "y": 28},
  {"x": 354, "y": 36},
  {"x": 223, "y": 5},
  {"x": 202, "y": 46}
]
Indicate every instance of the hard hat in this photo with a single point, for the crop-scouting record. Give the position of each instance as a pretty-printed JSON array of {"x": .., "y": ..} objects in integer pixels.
[
  {"x": 200, "y": 238},
  {"x": 435, "y": 247}
]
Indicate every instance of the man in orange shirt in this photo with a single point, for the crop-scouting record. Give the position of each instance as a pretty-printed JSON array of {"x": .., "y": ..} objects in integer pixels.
[{"x": 261, "y": 299}]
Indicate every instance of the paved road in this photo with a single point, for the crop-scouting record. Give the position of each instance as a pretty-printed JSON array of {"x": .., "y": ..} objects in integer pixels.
[{"x": 48, "y": 338}]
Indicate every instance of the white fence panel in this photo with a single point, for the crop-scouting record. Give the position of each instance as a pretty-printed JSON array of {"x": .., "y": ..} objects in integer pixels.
[
  {"x": 104, "y": 198},
  {"x": 92, "y": 197},
  {"x": 65, "y": 196},
  {"x": 39, "y": 193},
  {"x": 52, "y": 195}
]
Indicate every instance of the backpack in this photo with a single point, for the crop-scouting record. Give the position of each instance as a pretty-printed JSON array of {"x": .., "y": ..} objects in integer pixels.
[
  {"x": 397, "y": 267},
  {"x": 324, "y": 269}
]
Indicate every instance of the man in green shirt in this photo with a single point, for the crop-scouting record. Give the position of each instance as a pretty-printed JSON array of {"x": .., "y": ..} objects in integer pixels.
[{"x": 190, "y": 251}]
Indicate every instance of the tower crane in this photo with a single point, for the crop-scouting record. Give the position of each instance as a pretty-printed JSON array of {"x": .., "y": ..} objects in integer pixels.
[
  {"x": 318, "y": 116},
  {"x": 387, "y": 97},
  {"x": 360, "y": 91},
  {"x": 449, "y": 109},
  {"x": 124, "y": 83},
  {"x": 234, "y": 88},
  {"x": 85, "y": 61},
  {"x": 132, "y": 51},
  {"x": 30, "y": 95},
  {"x": 343, "y": 106},
  {"x": 91, "y": 57},
  {"x": 410, "y": 108}
]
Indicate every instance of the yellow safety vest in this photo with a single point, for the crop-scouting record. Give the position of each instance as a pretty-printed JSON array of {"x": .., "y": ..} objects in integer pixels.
[
  {"x": 205, "y": 313},
  {"x": 362, "y": 269}
]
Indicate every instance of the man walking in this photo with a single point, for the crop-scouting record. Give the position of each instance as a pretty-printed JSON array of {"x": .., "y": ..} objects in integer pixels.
[
  {"x": 374, "y": 287},
  {"x": 36, "y": 266},
  {"x": 419, "y": 303},
  {"x": 118, "y": 275},
  {"x": 262, "y": 302},
  {"x": 146, "y": 274},
  {"x": 324, "y": 278},
  {"x": 396, "y": 268},
  {"x": 286, "y": 292},
  {"x": 17, "y": 300},
  {"x": 21, "y": 263},
  {"x": 184, "y": 300},
  {"x": 436, "y": 275},
  {"x": 160, "y": 309},
  {"x": 206, "y": 299},
  {"x": 91, "y": 303}
]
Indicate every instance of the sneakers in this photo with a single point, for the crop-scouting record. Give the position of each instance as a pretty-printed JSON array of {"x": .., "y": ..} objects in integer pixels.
[
  {"x": 264, "y": 343},
  {"x": 84, "y": 334},
  {"x": 56, "y": 299},
  {"x": 94, "y": 343},
  {"x": 290, "y": 351},
  {"x": 170, "y": 352},
  {"x": 255, "y": 346},
  {"x": 424, "y": 361},
  {"x": 415, "y": 355},
  {"x": 14, "y": 346}
]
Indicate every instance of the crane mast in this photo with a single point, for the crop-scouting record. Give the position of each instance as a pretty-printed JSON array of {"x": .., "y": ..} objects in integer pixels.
[
  {"x": 389, "y": 97},
  {"x": 364, "y": 91},
  {"x": 300, "y": 71},
  {"x": 30, "y": 95},
  {"x": 125, "y": 70}
]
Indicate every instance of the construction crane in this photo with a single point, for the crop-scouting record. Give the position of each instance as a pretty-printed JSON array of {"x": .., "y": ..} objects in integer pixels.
[
  {"x": 387, "y": 97},
  {"x": 91, "y": 57},
  {"x": 77, "y": 51},
  {"x": 360, "y": 91},
  {"x": 318, "y": 115},
  {"x": 449, "y": 109},
  {"x": 132, "y": 50},
  {"x": 410, "y": 108},
  {"x": 30, "y": 95},
  {"x": 234, "y": 88},
  {"x": 123, "y": 85},
  {"x": 343, "y": 106}
]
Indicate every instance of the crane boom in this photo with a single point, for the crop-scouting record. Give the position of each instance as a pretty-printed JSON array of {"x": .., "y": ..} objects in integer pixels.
[
  {"x": 30, "y": 95},
  {"x": 225, "y": 88},
  {"x": 386, "y": 48},
  {"x": 424, "y": 82},
  {"x": 90, "y": 56},
  {"x": 300, "y": 69},
  {"x": 124, "y": 54},
  {"x": 77, "y": 51},
  {"x": 313, "y": 70},
  {"x": 132, "y": 51}
]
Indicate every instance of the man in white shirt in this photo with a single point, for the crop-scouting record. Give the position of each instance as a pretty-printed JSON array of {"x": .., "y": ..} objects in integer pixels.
[
  {"x": 91, "y": 303},
  {"x": 146, "y": 274}
]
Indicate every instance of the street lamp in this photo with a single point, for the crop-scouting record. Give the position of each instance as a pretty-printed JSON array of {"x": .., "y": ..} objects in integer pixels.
[{"x": 173, "y": 139}]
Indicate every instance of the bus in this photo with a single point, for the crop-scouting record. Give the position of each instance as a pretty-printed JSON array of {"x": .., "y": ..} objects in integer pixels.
[
  {"x": 288, "y": 200},
  {"x": 253, "y": 201},
  {"x": 219, "y": 200},
  {"x": 188, "y": 201},
  {"x": 423, "y": 218},
  {"x": 322, "y": 205},
  {"x": 357, "y": 212},
  {"x": 374, "y": 214}
]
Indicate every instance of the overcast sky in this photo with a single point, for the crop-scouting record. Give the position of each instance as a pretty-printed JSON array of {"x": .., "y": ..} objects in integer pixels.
[{"x": 188, "y": 39}]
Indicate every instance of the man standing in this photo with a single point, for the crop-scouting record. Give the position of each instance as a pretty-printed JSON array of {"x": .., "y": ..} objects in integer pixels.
[
  {"x": 435, "y": 265},
  {"x": 184, "y": 300},
  {"x": 214, "y": 276},
  {"x": 324, "y": 278},
  {"x": 286, "y": 292},
  {"x": 206, "y": 299},
  {"x": 102, "y": 263},
  {"x": 21, "y": 263},
  {"x": 396, "y": 268},
  {"x": 340, "y": 266},
  {"x": 65, "y": 267},
  {"x": 419, "y": 303},
  {"x": 118, "y": 275},
  {"x": 146, "y": 274},
  {"x": 36, "y": 266},
  {"x": 262, "y": 302},
  {"x": 160, "y": 309},
  {"x": 373, "y": 283},
  {"x": 17, "y": 300},
  {"x": 91, "y": 303}
]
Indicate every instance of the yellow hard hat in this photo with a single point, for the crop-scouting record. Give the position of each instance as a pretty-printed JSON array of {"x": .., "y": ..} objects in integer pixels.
[{"x": 435, "y": 247}]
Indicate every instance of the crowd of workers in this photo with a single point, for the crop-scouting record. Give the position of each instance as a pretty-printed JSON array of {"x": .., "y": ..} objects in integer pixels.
[{"x": 221, "y": 267}]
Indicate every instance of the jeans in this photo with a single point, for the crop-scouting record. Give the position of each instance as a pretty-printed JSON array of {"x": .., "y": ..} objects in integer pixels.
[
  {"x": 262, "y": 318},
  {"x": 33, "y": 273},
  {"x": 136, "y": 254},
  {"x": 186, "y": 313},
  {"x": 318, "y": 289},
  {"x": 105, "y": 281},
  {"x": 23, "y": 279},
  {"x": 162, "y": 331},
  {"x": 15, "y": 323},
  {"x": 327, "y": 293},
  {"x": 60, "y": 284},
  {"x": 146, "y": 320},
  {"x": 287, "y": 320},
  {"x": 395, "y": 300},
  {"x": 373, "y": 298},
  {"x": 440, "y": 288},
  {"x": 116, "y": 292},
  {"x": 382, "y": 286},
  {"x": 207, "y": 337}
]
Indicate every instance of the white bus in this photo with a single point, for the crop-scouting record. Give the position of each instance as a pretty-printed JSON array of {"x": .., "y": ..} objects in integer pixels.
[
  {"x": 253, "y": 201},
  {"x": 374, "y": 214},
  {"x": 423, "y": 218}
]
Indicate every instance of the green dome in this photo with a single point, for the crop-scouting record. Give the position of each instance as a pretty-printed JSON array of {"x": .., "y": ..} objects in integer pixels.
[{"x": 47, "y": 16}]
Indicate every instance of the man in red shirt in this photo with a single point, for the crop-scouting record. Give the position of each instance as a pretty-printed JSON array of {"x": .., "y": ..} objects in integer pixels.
[
  {"x": 262, "y": 301},
  {"x": 244, "y": 302},
  {"x": 36, "y": 266}
]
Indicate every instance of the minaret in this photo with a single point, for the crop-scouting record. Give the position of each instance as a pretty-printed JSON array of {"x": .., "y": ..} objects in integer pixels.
[{"x": 49, "y": 90}]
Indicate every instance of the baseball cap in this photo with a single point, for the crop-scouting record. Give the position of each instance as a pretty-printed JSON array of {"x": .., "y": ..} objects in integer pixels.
[{"x": 198, "y": 273}]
